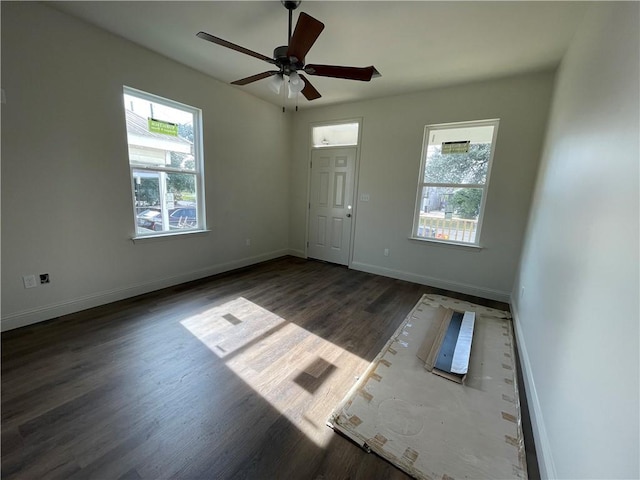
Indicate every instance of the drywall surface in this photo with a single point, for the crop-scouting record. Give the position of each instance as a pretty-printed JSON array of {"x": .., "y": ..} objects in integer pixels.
[
  {"x": 66, "y": 193},
  {"x": 578, "y": 318},
  {"x": 391, "y": 147}
]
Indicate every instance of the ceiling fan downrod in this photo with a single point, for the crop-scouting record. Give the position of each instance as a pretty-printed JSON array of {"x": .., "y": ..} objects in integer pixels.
[{"x": 291, "y": 6}]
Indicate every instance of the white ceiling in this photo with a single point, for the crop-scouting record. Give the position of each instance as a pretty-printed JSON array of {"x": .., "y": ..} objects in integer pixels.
[{"x": 415, "y": 45}]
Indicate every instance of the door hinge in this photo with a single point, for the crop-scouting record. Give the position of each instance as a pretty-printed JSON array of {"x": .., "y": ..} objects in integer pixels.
[
  {"x": 309, "y": 205},
  {"x": 307, "y": 244},
  {"x": 310, "y": 164}
]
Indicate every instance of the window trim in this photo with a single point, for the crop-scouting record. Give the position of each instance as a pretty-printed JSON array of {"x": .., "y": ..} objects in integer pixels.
[
  {"x": 495, "y": 122},
  {"x": 198, "y": 172},
  {"x": 168, "y": 236}
]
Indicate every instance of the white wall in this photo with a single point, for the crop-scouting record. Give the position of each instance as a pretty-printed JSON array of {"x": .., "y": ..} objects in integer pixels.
[
  {"x": 392, "y": 137},
  {"x": 66, "y": 195},
  {"x": 578, "y": 318}
]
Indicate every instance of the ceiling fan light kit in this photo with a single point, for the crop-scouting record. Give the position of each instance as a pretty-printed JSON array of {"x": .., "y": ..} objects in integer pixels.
[
  {"x": 275, "y": 84},
  {"x": 290, "y": 59}
]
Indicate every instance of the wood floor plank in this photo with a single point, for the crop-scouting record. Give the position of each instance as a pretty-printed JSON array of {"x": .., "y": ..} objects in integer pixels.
[{"x": 232, "y": 376}]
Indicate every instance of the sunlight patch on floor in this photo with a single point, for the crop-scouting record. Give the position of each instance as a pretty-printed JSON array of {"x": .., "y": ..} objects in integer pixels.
[{"x": 290, "y": 367}]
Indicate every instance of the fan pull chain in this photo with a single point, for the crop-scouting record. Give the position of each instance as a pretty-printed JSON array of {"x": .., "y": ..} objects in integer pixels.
[{"x": 284, "y": 95}]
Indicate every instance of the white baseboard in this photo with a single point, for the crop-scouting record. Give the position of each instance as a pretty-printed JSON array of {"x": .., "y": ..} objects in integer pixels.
[
  {"x": 40, "y": 314},
  {"x": 543, "y": 448},
  {"x": 433, "y": 282},
  {"x": 297, "y": 253}
]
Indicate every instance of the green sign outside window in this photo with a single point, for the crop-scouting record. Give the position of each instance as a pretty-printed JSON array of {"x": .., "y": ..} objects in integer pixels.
[
  {"x": 165, "y": 128},
  {"x": 455, "y": 147}
]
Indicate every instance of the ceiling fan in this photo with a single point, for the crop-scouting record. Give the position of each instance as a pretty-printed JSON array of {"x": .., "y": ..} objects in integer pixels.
[{"x": 290, "y": 59}]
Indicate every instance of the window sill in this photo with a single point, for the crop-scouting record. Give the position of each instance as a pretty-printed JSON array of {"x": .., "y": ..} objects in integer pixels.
[
  {"x": 447, "y": 243},
  {"x": 336, "y": 145},
  {"x": 167, "y": 236}
]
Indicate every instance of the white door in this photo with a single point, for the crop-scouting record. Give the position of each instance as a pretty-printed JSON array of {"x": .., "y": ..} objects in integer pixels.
[{"x": 330, "y": 208}]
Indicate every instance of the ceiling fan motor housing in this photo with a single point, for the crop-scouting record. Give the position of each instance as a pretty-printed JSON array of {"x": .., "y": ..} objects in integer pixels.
[{"x": 287, "y": 64}]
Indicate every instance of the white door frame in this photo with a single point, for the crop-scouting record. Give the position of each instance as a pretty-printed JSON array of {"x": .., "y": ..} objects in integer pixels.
[{"x": 356, "y": 177}]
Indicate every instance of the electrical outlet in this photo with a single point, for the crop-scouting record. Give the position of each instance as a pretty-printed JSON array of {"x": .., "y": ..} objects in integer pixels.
[
  {"x": 386, "y": 252},
  {"x": 44, "y": 278},
  {"x": 247, "y": 242},
  {"x": 29, "y": 281}
]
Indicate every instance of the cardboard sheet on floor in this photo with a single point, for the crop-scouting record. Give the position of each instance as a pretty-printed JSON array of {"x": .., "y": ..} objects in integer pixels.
[{"x": 428, "y": 426}]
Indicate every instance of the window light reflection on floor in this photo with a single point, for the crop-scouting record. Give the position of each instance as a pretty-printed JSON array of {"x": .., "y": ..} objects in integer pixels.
[{"x": 286, "y": 364}]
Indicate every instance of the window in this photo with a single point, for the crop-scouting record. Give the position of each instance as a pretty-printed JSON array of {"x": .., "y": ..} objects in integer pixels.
[
  {"x": 454, "y": 176},
  {"x": 335, "y": 135},
  {"x": 165, "y": 158}
]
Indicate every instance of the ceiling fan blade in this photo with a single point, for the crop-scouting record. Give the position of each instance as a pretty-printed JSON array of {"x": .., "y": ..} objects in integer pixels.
[
  {"x": 307, "y": 31},
  {"x": 255, "y": 78},
  {"x": 350, "y": 73},
  {"x": 309, "y": 91},
  {"x": 233, "y": 46}
]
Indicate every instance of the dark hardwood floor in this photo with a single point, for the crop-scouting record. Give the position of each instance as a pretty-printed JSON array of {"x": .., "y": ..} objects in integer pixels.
[{"x": 152, "y": 387}]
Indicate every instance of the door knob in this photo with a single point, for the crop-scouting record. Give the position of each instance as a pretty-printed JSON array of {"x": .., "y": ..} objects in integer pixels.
[{"x": 348, "y": 215}]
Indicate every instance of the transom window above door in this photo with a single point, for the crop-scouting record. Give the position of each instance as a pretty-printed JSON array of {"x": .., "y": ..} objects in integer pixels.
[{"x": 335, "y": 135}]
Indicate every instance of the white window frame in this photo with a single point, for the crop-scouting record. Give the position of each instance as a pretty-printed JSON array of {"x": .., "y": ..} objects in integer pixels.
[
  {"x": 428, "y": 129},
  {"x": 198, "y": 154}
]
